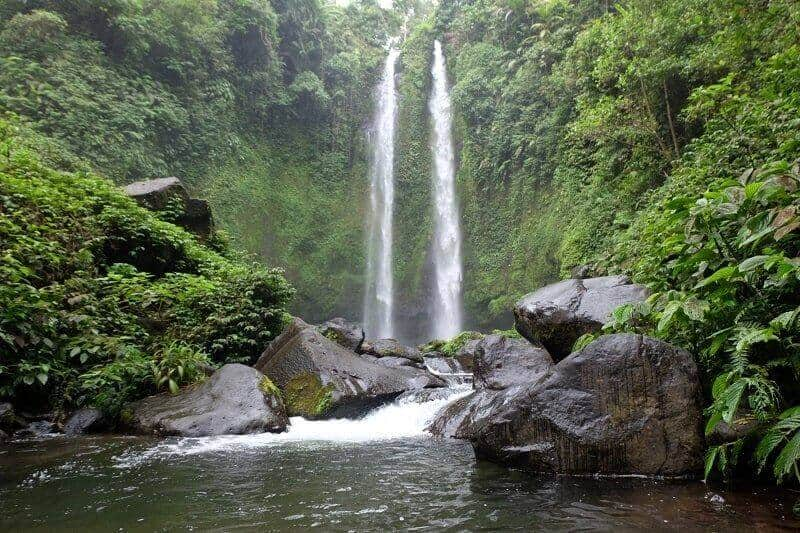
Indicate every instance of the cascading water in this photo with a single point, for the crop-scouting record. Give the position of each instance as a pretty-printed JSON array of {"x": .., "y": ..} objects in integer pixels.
[
  {"x": 379, "y": 293},
  {"x": 447, "y": 312}
]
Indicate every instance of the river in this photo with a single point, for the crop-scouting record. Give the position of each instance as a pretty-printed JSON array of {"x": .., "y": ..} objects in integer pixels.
[{"x": 382, "y": 472}]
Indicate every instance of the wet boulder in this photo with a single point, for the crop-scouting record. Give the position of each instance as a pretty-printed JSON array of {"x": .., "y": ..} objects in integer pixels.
[
  {"x": 395, "y": 362},
  {"x": 625, "y": 404},
  {"x": 236, "y": 400},
  {"x": 321, "y": 379},
  {"x": 466, "y": 354},
  {"x": 557, "y": 315},
  {"x": 86, "y": 420},
  {"x": 391, "y": 348},
  {"x": 344, "y": 333},
  {"x": 170, "y": 195},
  {"x": 502, "y": 362}
]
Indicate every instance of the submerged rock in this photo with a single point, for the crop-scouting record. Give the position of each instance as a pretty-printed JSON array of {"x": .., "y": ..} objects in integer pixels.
[
  {"x": 235, "y": 400},
  {"x": 87, "y": 420},
  {"x": 320, "y": 378},
  {"x": 557, "y": 315},
  {"x": 344, "y": 333},
  {"x": 391, "y": 348},
  {"x": 625, "y": 404}
]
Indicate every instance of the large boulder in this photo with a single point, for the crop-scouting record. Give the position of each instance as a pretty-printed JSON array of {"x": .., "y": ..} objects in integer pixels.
[
  {"x": 625, "y": 404},
  {"x": 86, "y": 420},
  {"x": 321, "y": 379},
  {"x": 557, "y": 315},
  {"x": 502, "y": 362},
  {"x": 499, "y": 363},
  {"x": 391, "y": 348},
  {"x": 235, "y": 400},
  {"x": 169, "y": 194},
  {"x": 344, "y": 333}
]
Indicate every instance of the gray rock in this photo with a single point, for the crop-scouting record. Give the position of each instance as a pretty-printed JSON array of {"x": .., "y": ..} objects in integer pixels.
[
  {"x": 345, "y": 333},
  {"x": 581, "y": 271},
  {"x": 87, "y": 420},
  {"x": 466, "y": 355},
  {"x": 501, "y": 362},
  {"x": 3, "y": 436},
  {"x": 394, "y": 362},
  {"x": 557, "y": 315},
  {"x": 444, "y": 365},
  {"x": 156, "y": 194},
  {"x": 8, "y": 419},
  {"x": 235, "y": 400},
  {"x": 160, "y": 194},
  {"x": 321, "y": 379},
  {"x": 625, "y": 404},
  {"x": 36, "y": 429},
  {"x": 391, "y": 348},
  {"x": 742, "y": 425}
]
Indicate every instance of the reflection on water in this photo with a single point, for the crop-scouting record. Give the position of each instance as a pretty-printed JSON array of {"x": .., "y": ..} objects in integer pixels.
[{"x": 408, "y": 483}]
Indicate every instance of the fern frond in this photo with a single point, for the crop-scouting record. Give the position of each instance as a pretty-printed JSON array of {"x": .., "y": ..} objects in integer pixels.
[{"x": 788, "y": 458}]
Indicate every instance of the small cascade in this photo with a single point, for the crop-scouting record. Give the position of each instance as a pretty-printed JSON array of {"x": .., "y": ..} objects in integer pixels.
[
  {"x": 449, "y": 369},
  {"x": 379, "y": 292},
  {"x": 407, "y": 417},
  {"x": 447, "y": 307}
]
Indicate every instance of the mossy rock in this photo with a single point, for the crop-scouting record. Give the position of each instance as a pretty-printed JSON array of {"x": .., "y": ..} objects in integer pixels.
[{"x": 306, "y": 396}]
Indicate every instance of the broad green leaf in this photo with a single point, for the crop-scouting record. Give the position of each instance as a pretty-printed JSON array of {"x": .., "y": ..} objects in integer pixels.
[
  {"x": 751, "y": 263},
  {"x": 720, "y": 275}
]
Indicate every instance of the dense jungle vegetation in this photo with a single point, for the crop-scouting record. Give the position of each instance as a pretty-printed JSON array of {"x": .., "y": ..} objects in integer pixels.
[{"x": 658, "y": 138}]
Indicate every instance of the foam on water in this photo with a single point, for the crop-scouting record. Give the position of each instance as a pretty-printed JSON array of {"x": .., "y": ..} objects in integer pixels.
[{"x": 405, "y": 417}]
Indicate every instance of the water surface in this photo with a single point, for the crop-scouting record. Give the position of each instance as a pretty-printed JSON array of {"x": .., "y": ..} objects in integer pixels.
[{"x": 414, "y": 483}]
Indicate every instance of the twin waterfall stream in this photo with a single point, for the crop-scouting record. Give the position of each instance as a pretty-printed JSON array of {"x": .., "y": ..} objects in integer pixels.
[{"x": 379, "y": 298}]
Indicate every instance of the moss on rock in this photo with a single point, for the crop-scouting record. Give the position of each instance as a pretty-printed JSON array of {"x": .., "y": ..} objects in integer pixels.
[{"x": 306, "y": 396}]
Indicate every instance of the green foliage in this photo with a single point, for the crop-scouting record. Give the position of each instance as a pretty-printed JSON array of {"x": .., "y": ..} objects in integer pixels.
[
  {"x": 270, "y": 93},
  {"x": 98, "y": 295},
  {"x": 450, "y": 347}
]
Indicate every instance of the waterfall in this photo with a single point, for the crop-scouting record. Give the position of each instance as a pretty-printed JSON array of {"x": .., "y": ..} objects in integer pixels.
[
  {"x": 379, "y": 293},
  {"x": 447, "y": 312}
]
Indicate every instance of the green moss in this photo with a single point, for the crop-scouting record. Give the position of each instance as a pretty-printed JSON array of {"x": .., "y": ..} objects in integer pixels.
[
  {"x": 306, "y": 396},
  {"x": 268, "y": 387},
  {"x": 450, "y": 347}
]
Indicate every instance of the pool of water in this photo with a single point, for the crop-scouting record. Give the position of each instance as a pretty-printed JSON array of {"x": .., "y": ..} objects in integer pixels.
[{"x": 412, "y": 483}]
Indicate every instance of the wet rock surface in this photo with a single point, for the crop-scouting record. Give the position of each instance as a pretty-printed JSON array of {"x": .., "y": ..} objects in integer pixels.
[
  {"x": 347, "y": 334},
  {"x": 391, "y": 348},
  {"x": 557, "y": 315},
  {"x": 625, "y": 404},
  {"x": 500, "y": 362},
  {"x": 322, "y": 379},
  {"x": 87, "y": 420},
  {"x": 234, "y": 400}
]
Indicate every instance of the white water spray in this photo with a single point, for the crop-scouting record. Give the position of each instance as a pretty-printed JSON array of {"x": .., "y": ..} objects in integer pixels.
[
  {"x": 406, "y": 417},
  {"x": 447, "y": 312},
  {"x": 379, "y": 293}
]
